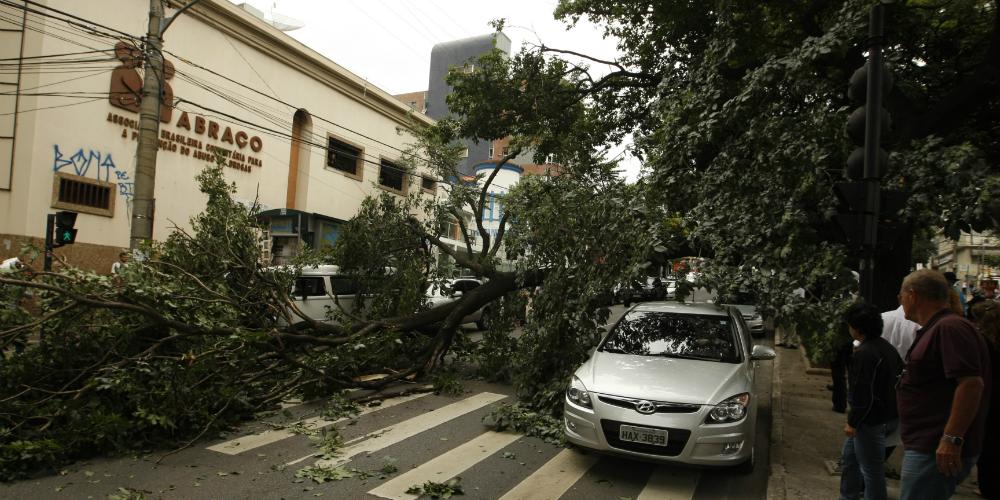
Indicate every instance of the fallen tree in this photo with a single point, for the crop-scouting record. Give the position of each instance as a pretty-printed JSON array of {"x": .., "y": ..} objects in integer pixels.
[{"x": 198, "y": 334}]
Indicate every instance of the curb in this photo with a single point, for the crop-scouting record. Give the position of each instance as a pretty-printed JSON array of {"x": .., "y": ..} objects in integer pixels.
[
  {"x": 776, "y": 489},
  {"x": 810, "y": 369}
]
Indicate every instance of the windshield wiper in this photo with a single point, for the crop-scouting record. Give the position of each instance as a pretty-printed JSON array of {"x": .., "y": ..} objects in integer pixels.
[{"x": 688, "y": 356}]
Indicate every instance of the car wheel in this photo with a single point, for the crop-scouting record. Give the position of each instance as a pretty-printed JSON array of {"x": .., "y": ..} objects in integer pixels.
[{"x": 746, "y": 468}]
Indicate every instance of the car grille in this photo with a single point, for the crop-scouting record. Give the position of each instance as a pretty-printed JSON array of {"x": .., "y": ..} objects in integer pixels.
[
  {"x": 676, "y": 439},
  {"x": 661, "y": 407}
]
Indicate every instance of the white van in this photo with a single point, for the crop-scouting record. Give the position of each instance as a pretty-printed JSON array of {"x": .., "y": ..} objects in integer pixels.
[{"x": 318, "y": 288}]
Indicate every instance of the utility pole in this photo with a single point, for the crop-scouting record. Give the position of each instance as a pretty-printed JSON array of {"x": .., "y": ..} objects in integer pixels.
[{"x": 143, "y": 201}]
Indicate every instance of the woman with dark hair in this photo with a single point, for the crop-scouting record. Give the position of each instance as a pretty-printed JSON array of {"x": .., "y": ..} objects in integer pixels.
[
  {"x": 987, "y": 316},
  {"x": 875, "y": 365}
]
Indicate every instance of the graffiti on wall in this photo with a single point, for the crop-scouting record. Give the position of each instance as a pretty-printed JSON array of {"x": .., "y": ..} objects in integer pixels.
[{"x": 95, "y": 164}]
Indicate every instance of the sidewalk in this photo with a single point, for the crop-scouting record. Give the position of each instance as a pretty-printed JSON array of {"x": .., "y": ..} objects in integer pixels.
[{"x": 806, "y": 432}]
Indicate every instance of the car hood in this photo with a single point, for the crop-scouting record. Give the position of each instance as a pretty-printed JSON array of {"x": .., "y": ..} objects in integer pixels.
[{"x": 663, "y": 379}]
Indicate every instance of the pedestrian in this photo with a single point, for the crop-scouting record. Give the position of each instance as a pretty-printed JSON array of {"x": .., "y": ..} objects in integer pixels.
[
  {"x": 989, "y": 461},
  {"x": 842, "y": 347},
  {"x": 116, "y": 268},
  {"x": 957, "y": 288},
  {"x": 898, "y": 331},
  {"x": 987, "y": 292},
  {"x": 875, "y": 366},
  {"x": 943, "y": 392},
  {"x": 785, "y": 335}
]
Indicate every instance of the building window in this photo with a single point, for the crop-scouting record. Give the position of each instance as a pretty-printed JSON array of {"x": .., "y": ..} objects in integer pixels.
[
  {"x": 506, "y": 150},
  {"x": 428, "y": 184},
  {"x": 392, "y": 177},
  {"x": 491, "y": 152},
  {"x": 344, "y": 157},
  {"x": 80, "y": 194},
  {"x": 451, "y": 229}
]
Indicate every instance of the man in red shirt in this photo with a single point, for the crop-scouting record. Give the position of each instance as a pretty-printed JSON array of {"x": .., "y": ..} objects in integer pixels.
[{"x": 943, "y": 394}]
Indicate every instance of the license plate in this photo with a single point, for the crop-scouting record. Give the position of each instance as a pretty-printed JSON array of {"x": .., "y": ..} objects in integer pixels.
[{"x": 644, "y": 435}]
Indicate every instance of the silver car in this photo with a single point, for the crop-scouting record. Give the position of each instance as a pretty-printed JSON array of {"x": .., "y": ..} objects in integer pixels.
[
  {"x": 753, "y": 318},
  {"x": 670, "y": 383}
]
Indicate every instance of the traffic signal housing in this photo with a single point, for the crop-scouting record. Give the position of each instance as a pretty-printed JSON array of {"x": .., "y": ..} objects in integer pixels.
[
  {"x": 853, "y": 210},
  {"x": 859, "y": 123},
  {"x": 65, "y": 233}
]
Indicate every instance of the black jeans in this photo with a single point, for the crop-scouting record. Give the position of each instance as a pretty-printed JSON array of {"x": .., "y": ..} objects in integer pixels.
[{"x": 838, "y": 371}]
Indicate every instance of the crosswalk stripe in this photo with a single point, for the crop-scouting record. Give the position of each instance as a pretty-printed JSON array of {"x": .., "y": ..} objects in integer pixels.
[
  {"x": 554, "y": 478},
  {"x": 446, "y": 466},
  {"x": 667, "y": 483},
  {"x": 252, "y": 441},
  {"x": 389, "y": 436}
]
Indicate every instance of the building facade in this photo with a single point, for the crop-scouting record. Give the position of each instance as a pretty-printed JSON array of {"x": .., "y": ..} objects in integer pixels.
[
  {"x": 973, "y": 257},
  {"x": 301, "y": 136}
]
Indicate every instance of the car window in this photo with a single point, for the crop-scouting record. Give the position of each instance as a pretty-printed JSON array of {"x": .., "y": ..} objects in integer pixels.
[
  {"x": 465, "y": 285},
  {"x": 343, "y": 285},
  {"x": 744, "y": 331},
  {"x": 649, "y": 333},
  {"x": 309, "y": 286}
]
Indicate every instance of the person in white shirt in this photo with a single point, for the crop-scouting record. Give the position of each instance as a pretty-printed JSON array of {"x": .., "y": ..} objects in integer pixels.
[
  {"x": 898, "y": 330},
  {"x": 116, "y": 268}
]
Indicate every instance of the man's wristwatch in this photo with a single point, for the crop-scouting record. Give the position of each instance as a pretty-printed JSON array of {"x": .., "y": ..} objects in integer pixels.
[{"x": 955, "y": 440}]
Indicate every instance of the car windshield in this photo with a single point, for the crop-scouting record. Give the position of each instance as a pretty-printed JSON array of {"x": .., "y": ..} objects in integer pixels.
[{"x": 690, "y": 336}]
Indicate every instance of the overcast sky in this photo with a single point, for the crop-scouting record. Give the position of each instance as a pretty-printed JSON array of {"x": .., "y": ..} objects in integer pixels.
[{"x": 388, "y": 42}]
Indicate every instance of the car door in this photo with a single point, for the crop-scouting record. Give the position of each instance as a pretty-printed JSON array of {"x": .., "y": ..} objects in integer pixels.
[{"x": 309, "y": 295}]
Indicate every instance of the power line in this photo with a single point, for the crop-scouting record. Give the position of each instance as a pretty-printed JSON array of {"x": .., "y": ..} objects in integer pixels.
[
  {"x": 276, "y": 99},
  {"x": 233, "y": 98},
  {"x": 81, "y": 24},
  {"x": 324, "y": 148},
  {"x": 51, "y": 107},
  {"x": 54, "y": 55},
  {"x": 101, "y": 72},
  {"x": 78, "y": 21}
]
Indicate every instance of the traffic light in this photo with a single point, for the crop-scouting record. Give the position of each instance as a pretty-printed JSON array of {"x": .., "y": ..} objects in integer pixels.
[
  {"x": 65, "y": 234},
  {"x": 862, "y": 124},
  {"x": 853, "y": 210}
]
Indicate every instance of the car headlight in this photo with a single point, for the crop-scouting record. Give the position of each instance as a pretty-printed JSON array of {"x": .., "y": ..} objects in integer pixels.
[
  {"x": 730, "y": 410},
  {"x": 577, "y": 393}
]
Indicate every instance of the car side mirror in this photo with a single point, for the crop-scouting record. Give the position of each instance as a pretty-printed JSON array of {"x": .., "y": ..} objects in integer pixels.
[{"x": 761, "y": 353}]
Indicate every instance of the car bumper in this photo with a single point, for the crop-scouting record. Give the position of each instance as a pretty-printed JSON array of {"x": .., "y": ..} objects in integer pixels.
[{"x": 689, "y": 440}]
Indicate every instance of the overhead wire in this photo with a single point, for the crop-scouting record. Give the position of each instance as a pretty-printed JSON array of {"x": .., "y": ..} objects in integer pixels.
[
  {"x": 273, "y": 118},
  {"x": 79, "y": 27},
  {"x": 51, "y": 107},
  {"x": 76, "y": 20},
  {"x": 276, "y": 99},
  {"x": 321, "y": 148}
]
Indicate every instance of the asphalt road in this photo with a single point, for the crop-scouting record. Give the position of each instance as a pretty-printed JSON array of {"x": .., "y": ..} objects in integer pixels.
[{"x": 426, "y": 437}]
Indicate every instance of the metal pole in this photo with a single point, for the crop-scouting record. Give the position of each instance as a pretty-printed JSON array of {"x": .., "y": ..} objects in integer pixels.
[
  {"x": 50, "y": 227},
  {"x": 873, "y": 132},
  {"x": 143, "y": 202}
]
